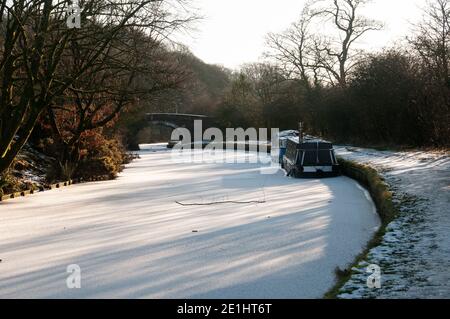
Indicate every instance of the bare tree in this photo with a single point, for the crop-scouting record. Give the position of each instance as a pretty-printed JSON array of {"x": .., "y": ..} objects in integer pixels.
[
  {"x": 265, "y": 80},
  {"x": 433, "y": 39},
  {"x": 293, "y": 49},
  {"x": 136, "y": 68},
  {"x": 35, "y": 41},
  {"x": 314, "y": 57},
  {"x": 335, "y": 55},
  {"x": 432, "y": 46}
]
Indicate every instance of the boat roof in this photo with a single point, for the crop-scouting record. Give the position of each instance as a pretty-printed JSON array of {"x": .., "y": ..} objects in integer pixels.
[
  {"x": 289, "y": 133},
  {"x": 308, "y": 140}
]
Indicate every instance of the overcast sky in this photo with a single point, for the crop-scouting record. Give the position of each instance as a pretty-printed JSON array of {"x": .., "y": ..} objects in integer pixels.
[{"x": 233, "y": 31}]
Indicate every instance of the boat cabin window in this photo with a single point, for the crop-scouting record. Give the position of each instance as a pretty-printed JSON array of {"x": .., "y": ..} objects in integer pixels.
[{"x": 309, "y": 158}]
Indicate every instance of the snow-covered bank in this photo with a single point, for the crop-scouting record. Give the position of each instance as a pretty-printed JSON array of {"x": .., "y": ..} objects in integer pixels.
[
  {"x": 132, "y": 240},
  {"x": 415, "y": 253},
  {"x": 29, "y": 171}
]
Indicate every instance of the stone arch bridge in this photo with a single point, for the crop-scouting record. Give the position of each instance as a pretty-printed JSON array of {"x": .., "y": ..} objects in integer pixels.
[{"x": 177, "y": 120}]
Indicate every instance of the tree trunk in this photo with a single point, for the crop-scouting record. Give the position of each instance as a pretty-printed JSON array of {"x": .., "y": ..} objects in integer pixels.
[{"x": 24, "y": 133}]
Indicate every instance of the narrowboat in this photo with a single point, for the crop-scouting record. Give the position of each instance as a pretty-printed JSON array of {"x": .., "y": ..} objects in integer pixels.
[{"x": 309, "y": 158}]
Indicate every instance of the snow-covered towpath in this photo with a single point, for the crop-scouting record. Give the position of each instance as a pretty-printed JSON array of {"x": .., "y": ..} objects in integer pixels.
[
  {"x": 132, "y": 240},
  {"x": 415, "y": 254}
]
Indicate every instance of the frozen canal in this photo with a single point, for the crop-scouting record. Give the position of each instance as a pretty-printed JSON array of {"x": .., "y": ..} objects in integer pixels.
[{"x": 274, "y": 237}]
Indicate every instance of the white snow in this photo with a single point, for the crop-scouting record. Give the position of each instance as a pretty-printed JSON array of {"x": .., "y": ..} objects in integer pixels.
[
  {"x": 415, "y": 253},
  {"x": 132, "y": 240}
]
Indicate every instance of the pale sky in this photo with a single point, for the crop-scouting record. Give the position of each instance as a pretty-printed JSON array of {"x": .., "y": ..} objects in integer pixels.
[{"x": 233, "y": 31}]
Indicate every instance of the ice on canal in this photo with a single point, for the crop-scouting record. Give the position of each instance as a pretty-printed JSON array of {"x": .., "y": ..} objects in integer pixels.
[{"x": 168, "y": 229}]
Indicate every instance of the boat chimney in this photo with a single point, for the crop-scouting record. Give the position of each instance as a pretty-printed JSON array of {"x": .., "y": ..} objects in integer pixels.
[{"x": 300, "y": 130}]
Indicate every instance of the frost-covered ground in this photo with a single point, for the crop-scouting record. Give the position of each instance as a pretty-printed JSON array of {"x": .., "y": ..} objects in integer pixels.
[
  {"x": 415, "y": 253},
  {"x": 132, "y": 240}
]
